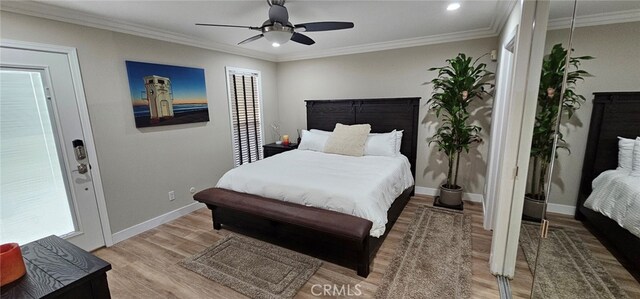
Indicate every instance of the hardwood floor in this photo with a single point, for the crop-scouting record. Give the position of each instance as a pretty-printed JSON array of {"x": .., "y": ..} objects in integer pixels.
[{"x": 145, "y": 266}]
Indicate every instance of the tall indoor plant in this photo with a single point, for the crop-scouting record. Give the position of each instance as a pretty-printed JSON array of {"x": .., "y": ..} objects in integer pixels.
[
  {"x": 457, "y": 84},
  {"x": 546, "y": 123}
]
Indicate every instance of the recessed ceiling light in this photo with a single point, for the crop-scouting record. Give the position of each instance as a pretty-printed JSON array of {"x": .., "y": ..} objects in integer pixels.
[
  {"x": 275, "y": 45},
  {"x": 453, "y": 6}
]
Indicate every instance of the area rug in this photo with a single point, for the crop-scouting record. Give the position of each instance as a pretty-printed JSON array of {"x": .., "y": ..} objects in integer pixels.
[
  {"x": 567, "y": 269},
  {"x": 434, "y": 258},
  {"x": 254, "y": 268}
]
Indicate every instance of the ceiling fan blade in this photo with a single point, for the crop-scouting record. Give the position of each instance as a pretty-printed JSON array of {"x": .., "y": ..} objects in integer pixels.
[
  {"x": 303, "y": 39},
  {"x": 278, "y": 13},
  {"x": 248, "y": 40},
  {"x": 323, "y": 26},
  {"x": 229, "y": 26}
]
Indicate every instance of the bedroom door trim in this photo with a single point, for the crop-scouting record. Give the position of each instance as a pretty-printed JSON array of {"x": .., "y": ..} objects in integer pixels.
[
  {"x": 526, "y": 77},
  {"x": 498, "y": 128},
  {"x": 85, "y": 122}
]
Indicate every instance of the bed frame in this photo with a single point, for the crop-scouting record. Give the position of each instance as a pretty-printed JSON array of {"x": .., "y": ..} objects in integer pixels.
[
  {"x": 614, "y": 114},
  {"x": 384, "y": 115}
]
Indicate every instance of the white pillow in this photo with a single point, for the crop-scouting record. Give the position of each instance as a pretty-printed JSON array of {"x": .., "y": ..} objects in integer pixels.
[
  {"x": 348, "y": 140},
  {"x": 320, "y": 131},
  {"x": 635, "y": 161},
  {"x": 625, "y": 153},
  {"x": 381, "y": 144},
  {"x": 398, "y": 140},
  {"x": 312, "y": 141}
]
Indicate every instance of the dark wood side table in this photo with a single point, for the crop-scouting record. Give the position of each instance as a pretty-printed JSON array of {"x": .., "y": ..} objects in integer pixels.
[
  {"x": 59, "y": 269},
  {"x": 274, "y": 149}
]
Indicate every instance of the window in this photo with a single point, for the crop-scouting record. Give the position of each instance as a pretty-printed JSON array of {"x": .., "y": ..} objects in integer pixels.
[{"x": 245, "y": 115}]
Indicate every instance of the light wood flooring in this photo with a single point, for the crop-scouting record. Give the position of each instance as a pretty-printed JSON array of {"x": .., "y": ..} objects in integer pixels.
[{"x": 145, "y": 266}]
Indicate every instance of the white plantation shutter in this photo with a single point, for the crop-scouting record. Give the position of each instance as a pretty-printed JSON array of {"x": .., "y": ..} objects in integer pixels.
[{"x": 246, "y": 123}]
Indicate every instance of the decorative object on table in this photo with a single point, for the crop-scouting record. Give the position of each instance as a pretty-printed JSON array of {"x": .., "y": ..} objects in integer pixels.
[
  {"x": 254, "y": 268},
  {"x": 560, "y": 271},
  {"x": 457, "y": 84},
  {"x": 167, "y": 95},
  {"x": 278, "y": 30},
  {"x": 547, "y": 122},
  {"x": 275, "y": 131},
  {"x": 285, "y": 139},
  {"x": 434, "y": 260},
  {"x": 11, "y": 263},
  {"x": 59, "y": 269}
]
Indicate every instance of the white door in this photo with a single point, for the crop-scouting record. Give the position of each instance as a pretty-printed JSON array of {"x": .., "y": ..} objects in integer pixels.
[{"x": 45, "y": 188}]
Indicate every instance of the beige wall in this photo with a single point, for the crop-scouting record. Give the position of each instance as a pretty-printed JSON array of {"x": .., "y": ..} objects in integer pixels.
[
  {"x": 392, "y": 73},
  {"x": 616, "y": 68},
  {"x": 139, "y": 166}
]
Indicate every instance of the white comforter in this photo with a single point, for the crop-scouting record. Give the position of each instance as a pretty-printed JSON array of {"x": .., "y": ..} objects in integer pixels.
[
  {"x": 616, "y": 195},
  {"x": 361, "y": 186}
]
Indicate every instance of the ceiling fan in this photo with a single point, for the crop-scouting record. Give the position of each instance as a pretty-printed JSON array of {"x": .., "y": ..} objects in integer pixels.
[{"x": 278, "y": 30}]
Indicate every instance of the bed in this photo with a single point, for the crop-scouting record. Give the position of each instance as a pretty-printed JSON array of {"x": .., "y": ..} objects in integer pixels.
[
  {"x": 316, "y": 218},
  {"x": 614, "y": 114}
]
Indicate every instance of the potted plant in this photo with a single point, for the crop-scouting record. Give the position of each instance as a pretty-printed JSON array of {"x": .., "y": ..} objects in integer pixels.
[
  {"x": 544, "y": 130},
  {"x": 457, "y": 84}
]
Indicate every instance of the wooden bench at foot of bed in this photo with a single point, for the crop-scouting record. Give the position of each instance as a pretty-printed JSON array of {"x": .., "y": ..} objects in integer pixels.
[{"x": 297, "y": 224}]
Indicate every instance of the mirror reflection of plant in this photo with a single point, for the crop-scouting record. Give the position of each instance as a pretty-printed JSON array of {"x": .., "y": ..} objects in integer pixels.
[
  {"x": 544, "y": 130},
  {"x": 458, "y": 83}
]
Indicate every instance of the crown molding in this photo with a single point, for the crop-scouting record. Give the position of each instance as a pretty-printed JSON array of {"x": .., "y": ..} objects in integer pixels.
[
  {"x": 390, "y": 45},
  {"x": 47, "y": 11},
  {"x": 51, "y": 12},
  {"x": 503, "y": 9},
  {"x": 597, "y": 19}
]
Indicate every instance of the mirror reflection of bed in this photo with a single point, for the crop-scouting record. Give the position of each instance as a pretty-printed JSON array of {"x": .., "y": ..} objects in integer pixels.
[{"x": 593, "y": 195}]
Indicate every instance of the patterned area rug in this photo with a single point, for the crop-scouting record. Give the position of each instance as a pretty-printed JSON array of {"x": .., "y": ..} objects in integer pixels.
[
  {"x": 434, "y": 258},
  {"x": 567, "y": 268},
  {"x": 254, "y": 268}
]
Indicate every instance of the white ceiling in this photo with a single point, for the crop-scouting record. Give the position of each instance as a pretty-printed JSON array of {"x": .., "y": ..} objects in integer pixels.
[{"x": 378, "y": 24}]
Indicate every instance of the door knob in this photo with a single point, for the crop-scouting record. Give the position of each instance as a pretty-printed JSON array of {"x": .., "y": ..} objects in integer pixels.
[{"x": 82, "y": 168}]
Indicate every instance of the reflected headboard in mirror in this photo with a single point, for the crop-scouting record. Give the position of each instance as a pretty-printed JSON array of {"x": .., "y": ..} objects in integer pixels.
[{"x": 614, "y": 114}]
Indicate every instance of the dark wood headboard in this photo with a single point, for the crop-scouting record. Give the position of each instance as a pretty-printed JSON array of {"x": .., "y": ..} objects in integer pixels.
[
  {"x": 614, "y": 114},
  {"x": 384, "y": 115}
]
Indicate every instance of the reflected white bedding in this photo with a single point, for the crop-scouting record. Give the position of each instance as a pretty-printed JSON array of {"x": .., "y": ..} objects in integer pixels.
[
  {"x": 616, "y": 195},
  {"x": 361, "y": 186}
]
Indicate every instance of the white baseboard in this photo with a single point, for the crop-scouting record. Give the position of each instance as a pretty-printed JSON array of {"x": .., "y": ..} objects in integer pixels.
[
  {"x": 475, "y": 197},
  {"x": 561, "y": 209},
  {"x": 151, "y": 223}
]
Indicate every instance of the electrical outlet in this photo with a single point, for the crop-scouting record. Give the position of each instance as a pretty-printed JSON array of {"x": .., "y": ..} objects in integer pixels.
[
  {"x": 172, "y": 195},
  {"x": 192, "y": 190}
]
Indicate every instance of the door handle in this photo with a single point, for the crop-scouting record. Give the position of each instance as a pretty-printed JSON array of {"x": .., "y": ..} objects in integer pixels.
[{"x": 80, "y": 154}]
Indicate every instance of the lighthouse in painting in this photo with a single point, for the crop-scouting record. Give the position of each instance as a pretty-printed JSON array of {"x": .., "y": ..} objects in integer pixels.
[{"x": 160, "y": 97}]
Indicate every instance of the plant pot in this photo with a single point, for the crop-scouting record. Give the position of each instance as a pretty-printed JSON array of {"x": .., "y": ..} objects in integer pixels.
[
  {"x": 533, "y": 208},
  {"x": 450, "y": 197}
]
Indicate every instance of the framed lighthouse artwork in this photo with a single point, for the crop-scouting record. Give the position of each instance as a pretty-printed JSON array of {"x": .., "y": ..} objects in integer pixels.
[{"x": 167, "y": 95}]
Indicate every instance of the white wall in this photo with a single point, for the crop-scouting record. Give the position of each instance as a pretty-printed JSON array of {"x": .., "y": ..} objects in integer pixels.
[
  {"x": 139, "y": 166},
  {"x": 616, "y": 68},
  {"x": 392, "y": 73}
]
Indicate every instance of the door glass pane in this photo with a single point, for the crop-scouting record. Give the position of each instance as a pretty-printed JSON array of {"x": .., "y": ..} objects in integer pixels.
[{"x": 33, "y": 195}]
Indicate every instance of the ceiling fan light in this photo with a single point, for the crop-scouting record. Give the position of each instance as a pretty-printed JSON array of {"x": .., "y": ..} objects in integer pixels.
[
  {"x": 453, "y": 6},
  {"x": 278, "y": 37}
]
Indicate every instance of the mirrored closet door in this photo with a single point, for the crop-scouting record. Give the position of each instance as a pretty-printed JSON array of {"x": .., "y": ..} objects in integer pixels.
[{"x": 579, "y": 238}]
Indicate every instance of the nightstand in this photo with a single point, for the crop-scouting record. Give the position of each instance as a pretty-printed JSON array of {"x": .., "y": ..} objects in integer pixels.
[{"x": 274, "y": 149}]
